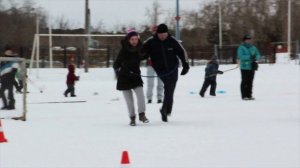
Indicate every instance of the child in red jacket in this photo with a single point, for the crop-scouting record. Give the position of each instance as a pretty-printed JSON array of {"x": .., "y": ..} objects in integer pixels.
[{"x": 71, "y": 78}]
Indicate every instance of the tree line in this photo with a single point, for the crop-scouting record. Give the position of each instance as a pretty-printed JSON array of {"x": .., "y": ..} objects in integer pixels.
[{"x": 265, "y": 20}]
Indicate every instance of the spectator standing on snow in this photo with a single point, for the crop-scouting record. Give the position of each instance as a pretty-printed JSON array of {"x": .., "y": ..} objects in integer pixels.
[
  {"x": 127, "y": 68},
  {"x": 164, "y": 51},
  {"x": 150, "y": 80},
  {"x": 71, "y": 78},
  {"x": 248, "y": 54},
  {"x": 211, "y": 72},
  {"x": 8, "y": 70}
]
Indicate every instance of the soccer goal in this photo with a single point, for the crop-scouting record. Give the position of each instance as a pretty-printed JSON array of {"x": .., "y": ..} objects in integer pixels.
[
  {"x": 19, "y": 113},
  {"x": 35, "y": 55}
]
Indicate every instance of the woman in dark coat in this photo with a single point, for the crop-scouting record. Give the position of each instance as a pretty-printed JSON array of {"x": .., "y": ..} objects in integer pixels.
[{"x": 127, "y": 68}]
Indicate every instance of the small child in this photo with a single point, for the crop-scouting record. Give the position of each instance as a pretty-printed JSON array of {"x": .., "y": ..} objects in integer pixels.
[
  {"x": 71, "y": 78},
  {"x": 211, "y": 72}
]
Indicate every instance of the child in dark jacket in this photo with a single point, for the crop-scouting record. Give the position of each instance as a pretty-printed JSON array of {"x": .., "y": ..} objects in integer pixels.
[
  {"x": 71, "y": 78},
  {"x": 211, "y": 72}
]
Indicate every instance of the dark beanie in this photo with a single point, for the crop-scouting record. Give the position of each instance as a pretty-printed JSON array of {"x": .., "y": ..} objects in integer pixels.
[
  {"x": 247, "y": 37},
  {"x": 131, "y": 34},
  {"x": 162, "y": 28}
]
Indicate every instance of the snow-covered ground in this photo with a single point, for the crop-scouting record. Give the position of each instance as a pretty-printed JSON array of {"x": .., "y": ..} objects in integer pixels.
[{"x": 210, "y": 132}]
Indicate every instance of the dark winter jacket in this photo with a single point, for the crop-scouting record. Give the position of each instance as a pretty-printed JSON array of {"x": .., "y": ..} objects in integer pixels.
[
  {"x": 164, "y": 54},
  {"x": 8, "y": 72},
  {"x": 211, "y": 70},
  {"x": 71, "y": 77},
  {"x": 127, "y": 66}
]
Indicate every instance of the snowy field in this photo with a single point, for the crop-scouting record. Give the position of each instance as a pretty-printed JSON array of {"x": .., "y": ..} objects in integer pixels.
[{"x": 210, "y": 132}]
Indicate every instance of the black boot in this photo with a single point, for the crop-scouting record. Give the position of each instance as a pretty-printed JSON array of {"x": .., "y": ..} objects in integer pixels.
[
  {"x": 159, "y": 101},
  {"x": 164, "y": 116},
  {"x": 11, "y": 105},
  {"x": 143, "y": 118},
  {"x": 149, "y": 101},
  {"x": 132, "y": 121}
]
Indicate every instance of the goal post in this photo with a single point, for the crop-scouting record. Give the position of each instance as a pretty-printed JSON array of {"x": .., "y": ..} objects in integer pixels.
[
  {"x": 20, "y": 111},
  {"x": 36, "y": 44}
]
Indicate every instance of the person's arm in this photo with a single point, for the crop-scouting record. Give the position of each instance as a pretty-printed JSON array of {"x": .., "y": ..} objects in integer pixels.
[
  {"x": 145, "y": 50},
  {"x": 182, "y": 55},
  {"x": 257, "y": 54},
  {"x": 118, "y": 62}
]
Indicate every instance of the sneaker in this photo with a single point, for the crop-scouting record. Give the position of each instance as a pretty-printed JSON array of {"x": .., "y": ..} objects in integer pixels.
[
  {"x": 132, "y": 121},
  {"x": 149, "y": 101},
  {"x": 159, "y": 101},
  {"x": 164, "y": 116},
  {"x": 251, "y": 98},
  {"x": 143, "y": 118}
]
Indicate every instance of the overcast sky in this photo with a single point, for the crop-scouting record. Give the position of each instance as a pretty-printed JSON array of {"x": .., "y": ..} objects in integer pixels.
[{"x": 110, "y": 12}]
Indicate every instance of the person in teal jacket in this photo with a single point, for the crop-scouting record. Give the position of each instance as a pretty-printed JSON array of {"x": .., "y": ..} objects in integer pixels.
[{"x": 248, "y": 54}]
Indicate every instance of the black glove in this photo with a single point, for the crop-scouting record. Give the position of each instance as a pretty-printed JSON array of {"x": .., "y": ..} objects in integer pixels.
[
  {"x": 185, "y": 68},
  {"x": 220, "y": 72}
]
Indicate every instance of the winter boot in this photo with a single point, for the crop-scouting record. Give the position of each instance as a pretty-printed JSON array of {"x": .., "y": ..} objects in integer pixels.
[
  {"x": 132, "y": 121},
  {"x": 11, "y": 105},
  {"x": 142, "y": 117},
  {"x": 164, "y": 116}
]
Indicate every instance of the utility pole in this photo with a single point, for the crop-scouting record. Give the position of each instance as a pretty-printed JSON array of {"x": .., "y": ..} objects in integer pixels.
[
  {"x": 220, "y": 31},
  {"x": 86, "y": 39},
  {"x": 177, "y": 18},
  {"x": 289, "y": 27}
]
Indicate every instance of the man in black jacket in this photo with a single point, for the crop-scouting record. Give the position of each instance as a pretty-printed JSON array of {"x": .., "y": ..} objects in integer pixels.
[{"x": 164, "y": 51}]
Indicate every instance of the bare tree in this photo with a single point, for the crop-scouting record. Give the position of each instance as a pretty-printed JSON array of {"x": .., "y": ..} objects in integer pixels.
[{"x": 154, "y": 12}]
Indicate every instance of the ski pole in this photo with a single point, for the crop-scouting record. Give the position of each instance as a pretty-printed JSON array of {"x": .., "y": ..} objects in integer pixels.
[{"x": 215, "y": 74}]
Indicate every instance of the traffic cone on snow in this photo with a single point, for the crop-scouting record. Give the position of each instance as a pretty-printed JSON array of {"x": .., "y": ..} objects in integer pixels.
[
  {"x": 2, "y": 138},
  {"x": 125, "y": 159}
]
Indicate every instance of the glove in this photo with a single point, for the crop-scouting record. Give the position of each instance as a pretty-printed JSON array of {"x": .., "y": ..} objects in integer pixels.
[
  {"x": 78, "y": 77},
  {"x": 220, "y": 72},
  {"x": 185, "y": 68}
]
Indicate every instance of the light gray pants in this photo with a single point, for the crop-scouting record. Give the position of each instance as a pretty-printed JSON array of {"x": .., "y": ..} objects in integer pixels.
[
  {"x": 128, "y": 95},
  {"x": 150, "y": 84}
]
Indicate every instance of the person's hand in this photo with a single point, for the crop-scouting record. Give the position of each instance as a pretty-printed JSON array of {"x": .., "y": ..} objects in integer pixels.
[{"x": 185, "y": 68}]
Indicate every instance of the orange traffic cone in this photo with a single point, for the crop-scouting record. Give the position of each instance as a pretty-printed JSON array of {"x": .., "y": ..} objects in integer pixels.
[
  {"x": 125, "y": 159},
  {"x": 2, "y": 138}
]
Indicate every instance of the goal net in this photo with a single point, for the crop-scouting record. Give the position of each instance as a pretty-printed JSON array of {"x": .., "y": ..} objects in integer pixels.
[{"x": 13, "y": 102}]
